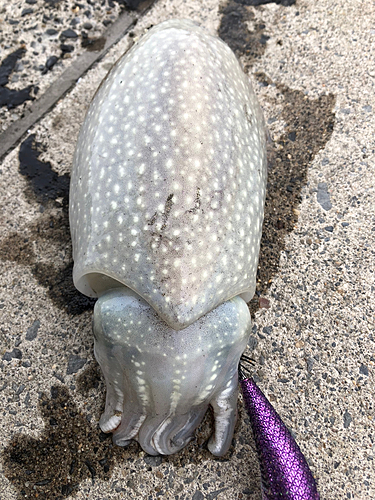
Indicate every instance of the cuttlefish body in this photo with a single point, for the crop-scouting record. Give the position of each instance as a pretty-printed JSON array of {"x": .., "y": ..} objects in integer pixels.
[{"x": 166, "y": 211}]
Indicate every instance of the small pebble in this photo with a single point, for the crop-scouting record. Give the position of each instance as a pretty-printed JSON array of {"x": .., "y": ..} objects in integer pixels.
[
  {"x": 264, "y": 303},
  {"x": 51, "y": 61},
  {"x": 25, "y": 12},
  {"x": 75, "y": 363},
  {"x": 16, "y": 353},
  {"x": 364, "y": 370},
  {"x": 69, "y": 33},
  {"x": 310, "y": 364},
  {"x": 66, "y": 48},
  {"x": 252, "y": 342},
  {"x": 347, "y": 419},
  {"x": 323, "y": 196},
  {"x": 20, "y": 389},
  {"x": 59, "y": 377},
  {"x": 267, "y": 330},
  {"x": 32, "y": 331}
]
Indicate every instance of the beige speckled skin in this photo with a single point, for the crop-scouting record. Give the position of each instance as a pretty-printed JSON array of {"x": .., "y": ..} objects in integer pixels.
[{"x": 167, "y": 197}]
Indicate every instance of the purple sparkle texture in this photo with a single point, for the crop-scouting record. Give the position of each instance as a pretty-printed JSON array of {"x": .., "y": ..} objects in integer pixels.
[{"x": 284, "y": 470}]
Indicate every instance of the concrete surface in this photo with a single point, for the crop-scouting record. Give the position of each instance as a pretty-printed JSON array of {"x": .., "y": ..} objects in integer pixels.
[
  {"x": 53, "y": 35},
  {"x": 313, "y": 67}
]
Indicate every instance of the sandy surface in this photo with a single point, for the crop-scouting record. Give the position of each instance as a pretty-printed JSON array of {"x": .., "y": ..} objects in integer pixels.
[{"x": 313, "y": 67}]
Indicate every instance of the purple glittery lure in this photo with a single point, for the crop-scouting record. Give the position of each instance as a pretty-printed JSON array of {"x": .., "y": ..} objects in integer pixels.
[{"x": 284, "y": 470}]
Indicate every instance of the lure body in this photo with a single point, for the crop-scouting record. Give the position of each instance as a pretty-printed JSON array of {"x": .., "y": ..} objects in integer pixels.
[
  {"x": 166, "y": 210},
  {"x": 284, "y": 470}
]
